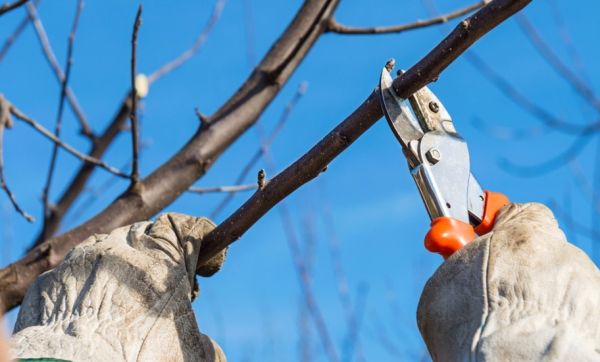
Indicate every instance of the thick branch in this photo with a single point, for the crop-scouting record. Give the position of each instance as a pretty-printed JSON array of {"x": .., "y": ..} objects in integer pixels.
[
  {"x": 312, "y": 163},
  {"x": 336, "y": 27},
  {"x": 167, "y": 183}
]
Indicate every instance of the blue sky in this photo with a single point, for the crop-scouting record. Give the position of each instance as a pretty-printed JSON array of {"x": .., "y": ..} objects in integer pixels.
[{"x": 252, "y": 306}]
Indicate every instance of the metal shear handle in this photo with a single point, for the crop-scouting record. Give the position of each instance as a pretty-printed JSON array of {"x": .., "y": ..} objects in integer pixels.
[{"x": 438, "y": 159}]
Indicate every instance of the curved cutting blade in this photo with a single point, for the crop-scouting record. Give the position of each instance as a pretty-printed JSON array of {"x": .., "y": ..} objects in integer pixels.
[{"x": 397, "y": 112}]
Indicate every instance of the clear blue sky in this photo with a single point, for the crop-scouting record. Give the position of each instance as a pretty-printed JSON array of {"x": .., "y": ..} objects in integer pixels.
[{"x": 252, "y": 307}]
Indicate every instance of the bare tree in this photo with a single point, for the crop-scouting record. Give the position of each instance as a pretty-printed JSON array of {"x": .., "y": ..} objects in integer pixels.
[{"x": 217, "y": 132}]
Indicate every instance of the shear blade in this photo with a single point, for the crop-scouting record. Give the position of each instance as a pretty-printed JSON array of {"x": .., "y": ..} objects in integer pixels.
[{"x": 398, "y": 114}]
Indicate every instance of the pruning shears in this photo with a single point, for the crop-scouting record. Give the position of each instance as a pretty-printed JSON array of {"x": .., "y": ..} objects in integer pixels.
[{"x": 438, "y": 160}]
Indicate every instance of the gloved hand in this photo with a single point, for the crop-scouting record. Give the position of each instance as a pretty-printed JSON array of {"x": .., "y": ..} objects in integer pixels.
[
  {"x": 519, "y": 293},
  {"x": 125, "y": 296}
]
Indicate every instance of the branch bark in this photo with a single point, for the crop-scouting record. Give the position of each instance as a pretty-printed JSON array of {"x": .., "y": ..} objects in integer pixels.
[
  {"x": 338, "y": 28},
  {"x": 174, "y": 177},
  {"x": 314, "y": 161},
  {"x": 11, "y": 6}
]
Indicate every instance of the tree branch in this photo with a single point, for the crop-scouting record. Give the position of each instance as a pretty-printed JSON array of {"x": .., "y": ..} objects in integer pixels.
[
  {"x": 312, "y": 163},
  {"x": 200, "y": 40},
  {"x": 40, "y": 32},
  {"x": 11, "y": 6},
  {"x": 70, "y": 149},
  {"x": 15, "y": 34},
  {"x": 77, "y": 184},
  {"x": 61, "y": 106},
  {"x": 6, "y": 122},
  {"x": 174, "y": 177},
  {"x": 135, "y": 168},
  {"x": 334, "y": 27},
  {"x": 580, "y": 86}
]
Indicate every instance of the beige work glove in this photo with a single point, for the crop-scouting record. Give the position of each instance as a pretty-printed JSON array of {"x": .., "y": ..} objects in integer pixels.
[
  {"x": 519, "y": 293},
  {"x": 123, "y": 296}
]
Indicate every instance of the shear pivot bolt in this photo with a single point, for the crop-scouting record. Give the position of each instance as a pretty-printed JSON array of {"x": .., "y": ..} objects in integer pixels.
[
  {"x": 433, "y": 156},
  {"x": 434, "y": 107}
]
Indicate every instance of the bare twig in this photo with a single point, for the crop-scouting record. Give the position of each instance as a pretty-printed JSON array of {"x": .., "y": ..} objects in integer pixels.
[
  {"x": 86, "y": 130},
  {"x": 6, "y": 122},
  {"x": 565, "y": 35},
  {"x": 581, "y": 86},
  {"x": 300, "y": 263},
  {"x": 200, "y": 40},
  {"x": 6, "y": 7},
  {"x": 304, "y": 330},
  {"x": 59, "y": 115},
  {"x": 15, "y": 34},
  {"x": 335, "y": 27},
  {"x": 70, "y": 149},
  {"x": 304, "y": 278},
  {"x": 525, "y": 102},
  {"x": 135, "y": 168},
  {"x": 77, "y": 184},
  {"x": 230, "y": 189},
  {"x": 264, "y": 146},
  {"x": 97, "y": 191},
  {"x": 176, "y": 175}
]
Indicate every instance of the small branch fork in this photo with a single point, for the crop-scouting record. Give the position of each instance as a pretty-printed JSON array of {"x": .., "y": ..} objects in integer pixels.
[
  {"x": 135, "y": 172},
  {"x": 59, "y": 116},
  {"x": 334, "y": 27}
]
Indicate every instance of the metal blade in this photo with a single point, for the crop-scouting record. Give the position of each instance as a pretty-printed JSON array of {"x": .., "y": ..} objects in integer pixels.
[
  {"x": 430, "y": 112},
  {"x": 402, "y": 121}
]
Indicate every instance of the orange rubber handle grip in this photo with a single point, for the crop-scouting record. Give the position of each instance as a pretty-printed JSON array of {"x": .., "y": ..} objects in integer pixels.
[
  {"x": 447, "y": 235},
  {"x": 493, "y": 203}
]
